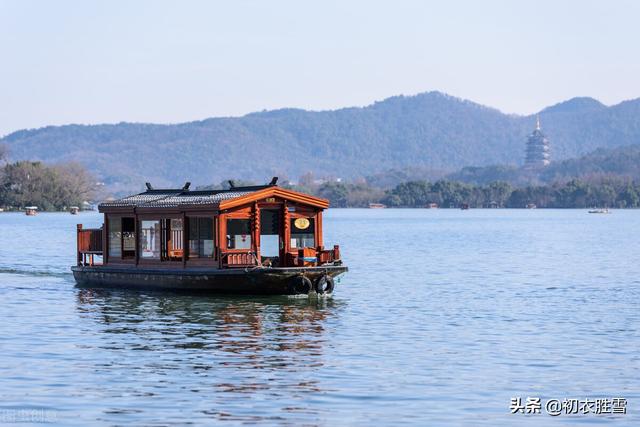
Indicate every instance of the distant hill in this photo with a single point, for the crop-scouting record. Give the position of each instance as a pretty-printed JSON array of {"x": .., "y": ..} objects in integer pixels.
[
  {"x": 623, "y": 162},
  {"x": 576, "y": 105},
  {"x": 430, "y": 131}
]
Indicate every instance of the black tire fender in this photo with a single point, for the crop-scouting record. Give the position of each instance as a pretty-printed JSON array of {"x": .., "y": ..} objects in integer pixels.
[
  {"x": 300, "y": 285},
  {"x": 325, "y": 285}
]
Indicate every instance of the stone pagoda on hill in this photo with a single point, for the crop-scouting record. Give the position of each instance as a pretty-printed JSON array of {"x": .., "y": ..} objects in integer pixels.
[{"x": 538, "y": 155}]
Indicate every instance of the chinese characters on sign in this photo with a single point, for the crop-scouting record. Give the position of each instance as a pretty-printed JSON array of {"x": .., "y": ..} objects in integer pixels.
[{"x": 555, "y": 407}]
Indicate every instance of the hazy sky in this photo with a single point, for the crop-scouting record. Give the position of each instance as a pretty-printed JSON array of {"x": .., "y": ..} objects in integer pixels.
[{"x": 154, "y": 61}]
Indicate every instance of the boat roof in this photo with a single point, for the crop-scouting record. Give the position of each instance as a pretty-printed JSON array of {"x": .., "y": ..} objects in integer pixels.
[
  {"x": 31, "y": 207},
  {"x": 216, "y": 199}
]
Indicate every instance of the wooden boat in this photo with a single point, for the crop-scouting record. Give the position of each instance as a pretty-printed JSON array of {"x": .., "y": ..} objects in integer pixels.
[
  {"x": 600, "y": 211},
  {"x": 377, "y": 206},
  {"x": 31, "y": 210},
  {"x": 73, "y": 210},
  {"x": 249, "y": 240}
]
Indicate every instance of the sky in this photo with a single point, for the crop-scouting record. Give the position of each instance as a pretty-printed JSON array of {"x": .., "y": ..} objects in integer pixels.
[{"x": 173, "y": 61}]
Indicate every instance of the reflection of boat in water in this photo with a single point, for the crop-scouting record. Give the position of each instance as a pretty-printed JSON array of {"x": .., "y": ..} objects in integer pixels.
[
  {"x": 31, "y": 210},
  {"x": 293, "y": 324},
  {"x": 600, "y": 211},
  {"x": 244, "y": 240},
  {"x": 224, "y": 345}
]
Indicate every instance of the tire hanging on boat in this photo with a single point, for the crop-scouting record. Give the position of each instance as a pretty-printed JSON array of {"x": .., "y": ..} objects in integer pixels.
[
  {"x": 325, "y": 285},
  {"x": 300, "y": 285}
]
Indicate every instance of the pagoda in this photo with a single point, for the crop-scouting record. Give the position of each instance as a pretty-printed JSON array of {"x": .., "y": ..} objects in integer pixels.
[{"x": 538, "y": 153}]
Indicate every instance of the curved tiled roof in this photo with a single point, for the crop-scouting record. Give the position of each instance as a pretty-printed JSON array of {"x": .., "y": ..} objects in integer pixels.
[{"x": 175, "y": 198}]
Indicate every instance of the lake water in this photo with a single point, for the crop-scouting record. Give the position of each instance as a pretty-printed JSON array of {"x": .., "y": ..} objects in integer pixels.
[{"x": 444, "y": 316}]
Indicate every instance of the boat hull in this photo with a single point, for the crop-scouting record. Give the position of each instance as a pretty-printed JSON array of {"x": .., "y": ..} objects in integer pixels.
[{"x": 254, "y": 281}]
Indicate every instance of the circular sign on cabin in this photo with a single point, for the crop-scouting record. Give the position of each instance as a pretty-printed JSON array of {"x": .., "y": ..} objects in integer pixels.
[{"x": 301, "y": 223}]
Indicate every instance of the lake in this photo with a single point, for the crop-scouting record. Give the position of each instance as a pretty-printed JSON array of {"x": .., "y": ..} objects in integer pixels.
[{"x": 444, "y": 316}]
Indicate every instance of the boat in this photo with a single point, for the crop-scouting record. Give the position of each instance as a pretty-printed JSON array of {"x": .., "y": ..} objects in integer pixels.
[
  {"x": 31, "y": 210},
  {"x": 531, "y": 206},
  {"x": 242, "y": 240},
  {"x": 464, "y": 206},
  {"x": 74, "y": 210},
  {"x": 377, "y": 206},
  {"x": 600, "y": 211},
  {"x": 431, "y": 206}
]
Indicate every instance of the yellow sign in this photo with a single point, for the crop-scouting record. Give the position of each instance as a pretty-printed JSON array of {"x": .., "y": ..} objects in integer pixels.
[
  {"x": 301, "y": 223},
  {"x": 270, "y": 200}
]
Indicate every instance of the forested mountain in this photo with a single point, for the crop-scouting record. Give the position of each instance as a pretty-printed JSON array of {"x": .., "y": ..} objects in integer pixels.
[
  {"x": 621, "y": 162},
  {"x": 430, "y": 131}
]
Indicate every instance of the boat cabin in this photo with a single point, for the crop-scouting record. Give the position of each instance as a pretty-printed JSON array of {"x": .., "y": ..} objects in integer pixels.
[{"x": 240, "y": 227}]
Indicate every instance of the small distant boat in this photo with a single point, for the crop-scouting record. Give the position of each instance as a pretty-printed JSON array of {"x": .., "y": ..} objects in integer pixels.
[
  {"x": 31, "y": 210},
  {"x": 600, "y": 211},
  {"x": 431, "y": 206},
  {"x": 464, "y": 206},
  {"x": 73, "y": 210},
  {"x": 531, "y": 206},
  {"x": 377, "y": 206}
]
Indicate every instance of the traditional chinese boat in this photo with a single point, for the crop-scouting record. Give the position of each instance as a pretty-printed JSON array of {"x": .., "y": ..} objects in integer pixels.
[{"x": 246, "y": 240}]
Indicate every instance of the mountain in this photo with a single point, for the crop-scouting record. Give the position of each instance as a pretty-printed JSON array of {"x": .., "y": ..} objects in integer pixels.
[
  {"x": 576, "y": 105},
  {"x": 621, "y": 162},
  {"x": 429, "y": 131}
]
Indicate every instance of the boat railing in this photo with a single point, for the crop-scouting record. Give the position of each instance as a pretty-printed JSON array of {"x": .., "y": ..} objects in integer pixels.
[
  {"x": 313, "y": 257},
  {"x": 89, "y": 245},
  {"x": 328, "y": 256},
  {"x": 238, "y": 259}
]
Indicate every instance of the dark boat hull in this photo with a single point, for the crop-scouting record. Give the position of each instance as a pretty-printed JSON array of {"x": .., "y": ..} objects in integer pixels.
[{"x": 255, "y": 281}]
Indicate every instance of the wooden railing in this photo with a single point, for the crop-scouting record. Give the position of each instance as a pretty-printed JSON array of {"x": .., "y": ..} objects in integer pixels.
[
  {"x": 89, "y": 244},
  {"x": 238, "y": 259},
  {"x": 309, "y": 257},
  {"x": 328, "y": 256}
]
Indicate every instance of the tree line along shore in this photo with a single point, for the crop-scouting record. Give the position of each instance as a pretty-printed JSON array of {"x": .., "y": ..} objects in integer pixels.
[
  {"x": 575, "y": 193},
  {"x": 57, "y": 187},
  {"x": 49, "y": 187}
]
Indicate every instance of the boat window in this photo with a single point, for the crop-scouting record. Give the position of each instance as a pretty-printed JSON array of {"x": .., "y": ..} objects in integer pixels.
[
  {"x": 150, "y": 239},
  {"x": 238, "y": 234},
  {"x": 115, "y": 237},
  {"x": 128, "y": 237},
  {"x": 201, "y": 242},
  {"x": 175, "y": 238},
  {"x": 303, "y": 233}
]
